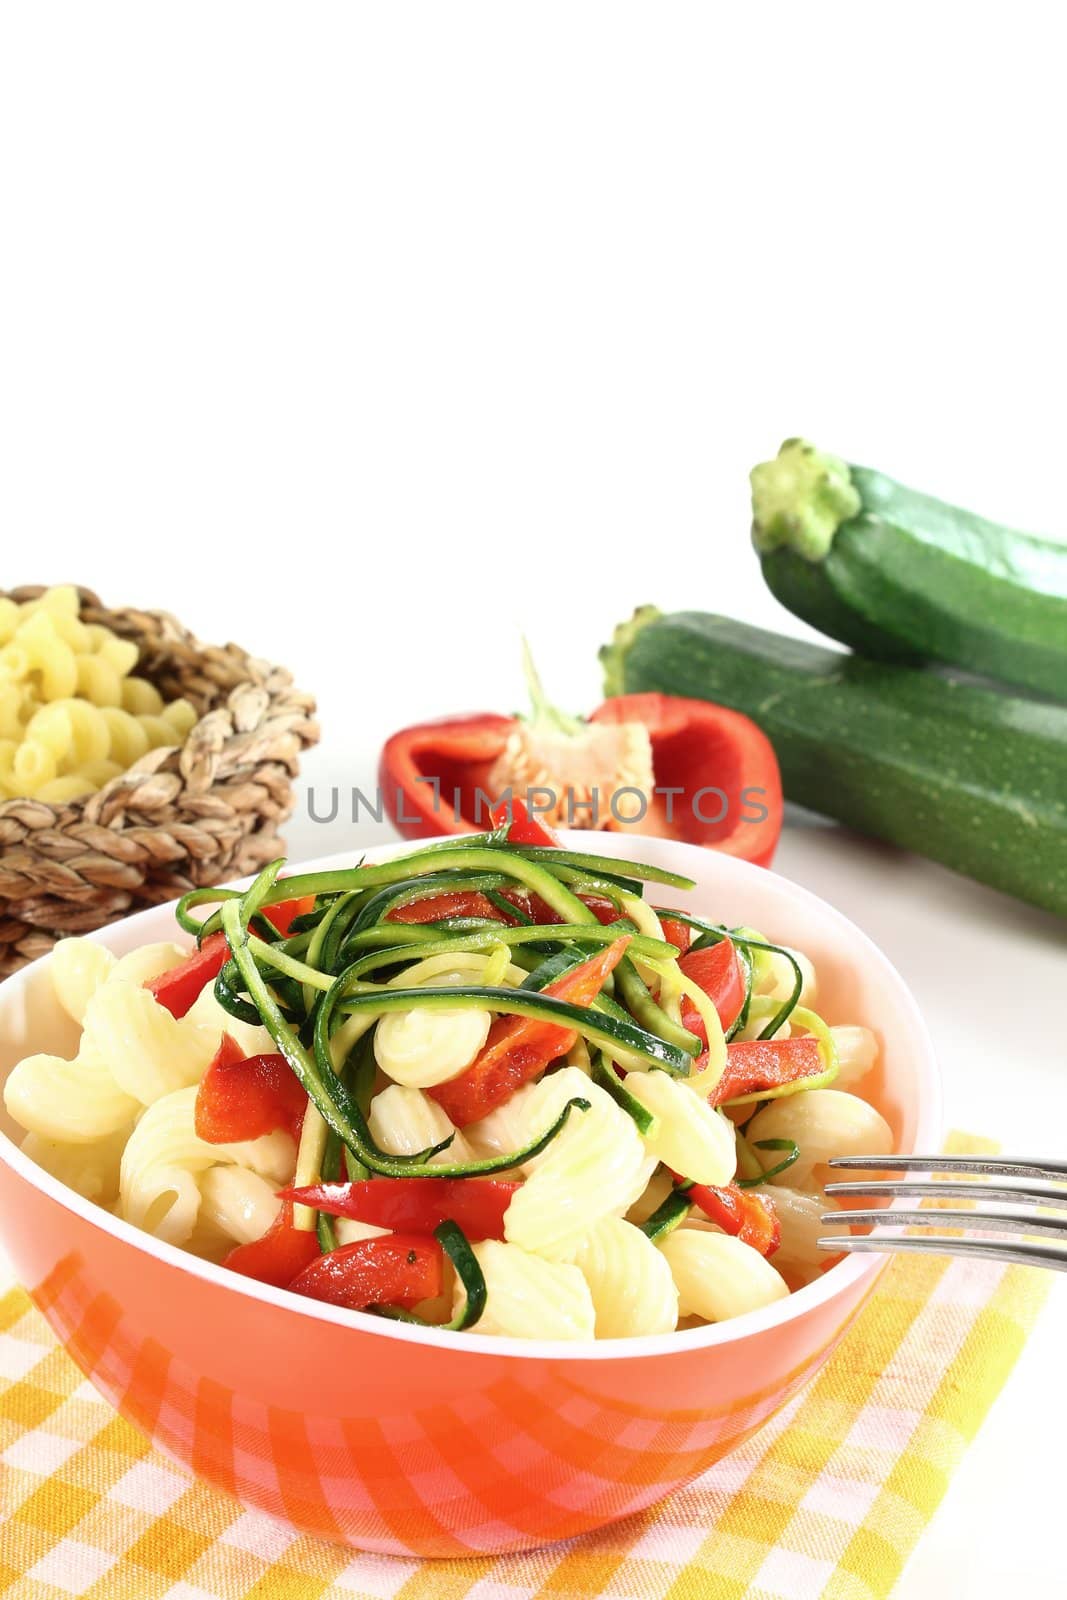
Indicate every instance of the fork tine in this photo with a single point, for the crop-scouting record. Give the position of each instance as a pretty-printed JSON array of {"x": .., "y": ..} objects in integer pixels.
[
  {"x": 997, "y": 1221},
  {"x": 1035, "y": 1194},
  {"x": 1022, "y": 1253},
  {"x": 983, "y": 1166}
]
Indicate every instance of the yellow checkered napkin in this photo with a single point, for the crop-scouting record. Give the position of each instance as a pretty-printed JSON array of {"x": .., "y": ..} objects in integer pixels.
[{"x": 826, "y": 1501}]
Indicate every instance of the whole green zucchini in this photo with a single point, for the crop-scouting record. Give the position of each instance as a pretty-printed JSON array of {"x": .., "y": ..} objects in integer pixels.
[
  {"x": 901, "y": 576},
  {"x": 969, "y": 776}
]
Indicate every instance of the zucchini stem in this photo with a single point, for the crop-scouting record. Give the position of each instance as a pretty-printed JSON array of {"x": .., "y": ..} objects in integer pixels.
[{"x": 800, "y": 499}]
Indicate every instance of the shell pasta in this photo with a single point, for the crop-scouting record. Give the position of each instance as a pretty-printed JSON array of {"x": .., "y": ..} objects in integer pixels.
[{"x": 453, "y": 1088}]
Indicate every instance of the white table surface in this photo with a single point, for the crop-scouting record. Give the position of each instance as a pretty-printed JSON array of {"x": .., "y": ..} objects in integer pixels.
[{"x": 371, "y": 336}]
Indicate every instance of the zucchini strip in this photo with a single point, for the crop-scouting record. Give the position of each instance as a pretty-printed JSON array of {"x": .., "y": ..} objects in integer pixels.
[
  {"x": 455, "y": 1244},
  {"x": 605, "y": 866},
  {"x": 530, "y": 874},
  {"x": 430, "y": 941},
  {"x": 502, "y": 904},
  {"x": 329, "y": 1170},
  {"x": 600, "y": 1028},
  {"x": 605, "y": 1077},
  {"x": 332, "y": 1099},
  {"x": 412, "y": 890},
  {"x": 551, "y": 968},
  {"x": 667, "y": 1216},
  {"x": 771, "y": 1172}
]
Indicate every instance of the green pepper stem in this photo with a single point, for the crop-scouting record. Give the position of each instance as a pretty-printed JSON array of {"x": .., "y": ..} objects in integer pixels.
[{"x": 545, "y": 714}]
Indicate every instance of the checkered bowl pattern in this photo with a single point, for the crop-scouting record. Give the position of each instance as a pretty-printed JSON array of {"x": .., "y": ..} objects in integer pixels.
[{"x": 411, "y": 1443}]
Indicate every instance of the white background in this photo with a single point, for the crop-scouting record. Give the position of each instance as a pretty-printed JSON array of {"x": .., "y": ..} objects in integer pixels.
[{"x": 367, "y": 336}]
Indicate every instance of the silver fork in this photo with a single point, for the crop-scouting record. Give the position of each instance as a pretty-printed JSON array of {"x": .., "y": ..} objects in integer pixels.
[{"x": 1006, "y": 1207}]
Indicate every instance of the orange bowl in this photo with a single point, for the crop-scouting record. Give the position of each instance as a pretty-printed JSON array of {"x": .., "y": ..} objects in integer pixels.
[{"x": 397, "y": 1439}]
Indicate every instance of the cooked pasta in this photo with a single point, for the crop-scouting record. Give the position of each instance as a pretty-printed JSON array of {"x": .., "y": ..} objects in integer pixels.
[
  {"x": 687, "y": 1135},
  {"x": 529, "y": 1298},
  {"x": 800, "y": 1220},
  {"x": 405, "y": 1122},
  {"x": 821, "y": 1123},
  {"x": 596, "y": 1167},
  {"x": 857, "y": 1052},
  {"x": 77, "y": 968},
  {"x": 91, "y": 1169},
  {"x": 505, "y": 1128},
  {"x": 539, "y": 1157},
  {"x": 70, "y": 1102},
  {"x": 150, "y": 961},
  {"x": 421, "y": 1048},
  {"x": 238, "y": 1203},
  {"x": 158, "y": 1189},
  {"x": 148, "y": 1052},
  {"x": 208, "y": 1015},
  {"x": 629, "y": 1280},
  {"x": 718, "y": 1277},
  {"x": 72, "y": 716}
]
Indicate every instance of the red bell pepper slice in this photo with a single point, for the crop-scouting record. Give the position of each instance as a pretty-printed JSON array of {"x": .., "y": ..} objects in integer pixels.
[
  {"x": 397, "y": 1269},
  {"x": 282, "y": 1252},
  {"x": 181, "y": 986},
  {"x": 519, "y": 1049},
  {"x": 750, "y": 1217},
  {"x": 242, "y": 1097},
  {"x": 680, "y": 934},
  {"x": 424, "y": 770},
  {"x": 436, "y": 907},
  {"x": 416, "y": 1205},
  {"x": 753, "y": 1065},
  {"x": 717, "y": 970},
  {"x": 284, "y": 914},
  {"x": 472, "y": 903},
  {"x": 524, "y": 828},
  {"x": 704, "y": 751}
]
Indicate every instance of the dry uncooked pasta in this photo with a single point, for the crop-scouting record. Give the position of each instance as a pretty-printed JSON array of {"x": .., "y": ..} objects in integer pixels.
[{"x": 72, "y": 713}]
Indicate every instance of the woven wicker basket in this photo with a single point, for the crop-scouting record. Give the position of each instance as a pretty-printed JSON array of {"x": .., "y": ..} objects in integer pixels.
[{"x": 198, "y": 813}]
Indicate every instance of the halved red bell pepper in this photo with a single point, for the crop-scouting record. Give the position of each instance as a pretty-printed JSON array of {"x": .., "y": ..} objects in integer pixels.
[
  {"x": 717, "y": 970},
  {"x": 715, "y": 774},
  {"x": 753, "y": 1065},
  {"x": 396, "y": 1269},
  {"x": 416, "y": 1205},
  {"x": 749, "y": 1216},
  {"x": 722, "y": 769},
  {"x": 282, "y": 1252},
  {"x": 519, "y": 1049},
  {"x": 179, "y": 988},
  {"x": 430, "y": 774},
  {"x": 243, "y": 1097}
]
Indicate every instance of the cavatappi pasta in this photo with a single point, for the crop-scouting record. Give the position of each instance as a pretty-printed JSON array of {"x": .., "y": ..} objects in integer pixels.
[
  {"x": 73, "y": 715},
  {"x": 453, "y": 1088}
]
